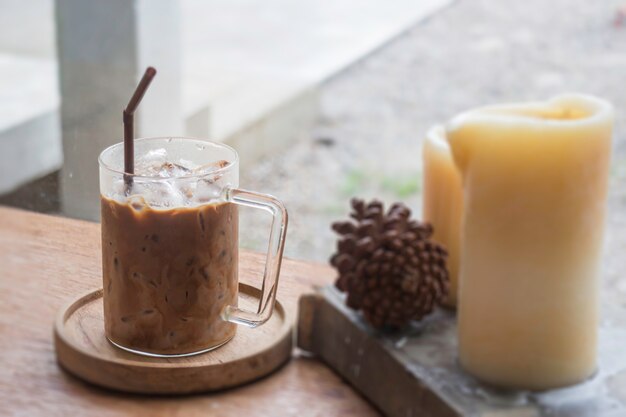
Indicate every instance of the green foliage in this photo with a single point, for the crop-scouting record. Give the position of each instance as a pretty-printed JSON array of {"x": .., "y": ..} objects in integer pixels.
[
  {"x": 353, "y": 182},
  {"x": 402, "y": 186}
]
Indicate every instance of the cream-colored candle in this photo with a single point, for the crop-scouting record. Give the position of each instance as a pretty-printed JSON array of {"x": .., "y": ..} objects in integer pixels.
[
  {"x": 443, "y": 201},
  {"x": 535, "y": 186}
]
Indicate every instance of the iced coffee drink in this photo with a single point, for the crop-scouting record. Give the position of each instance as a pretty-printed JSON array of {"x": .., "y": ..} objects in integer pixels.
[
  {"x": 168, "y": 275},
  {"x": 170, "y": 244}
]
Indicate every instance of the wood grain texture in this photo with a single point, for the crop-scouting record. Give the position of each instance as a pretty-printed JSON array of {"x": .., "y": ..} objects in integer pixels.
[
  {"x": 362, "y": 357},
  {"x": 82, "y": 349},
  {"x": 46, "y": 261}
]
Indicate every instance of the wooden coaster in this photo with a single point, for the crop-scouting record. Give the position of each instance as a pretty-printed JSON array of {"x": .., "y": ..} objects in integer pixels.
[{"x": 83, "y": 350}]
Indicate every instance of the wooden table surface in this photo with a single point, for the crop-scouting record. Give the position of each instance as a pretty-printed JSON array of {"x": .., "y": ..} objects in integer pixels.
[{"x": 45, "y": 261}]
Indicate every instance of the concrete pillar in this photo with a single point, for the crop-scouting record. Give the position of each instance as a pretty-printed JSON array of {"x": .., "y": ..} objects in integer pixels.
[{"x": 103, "y": 49}]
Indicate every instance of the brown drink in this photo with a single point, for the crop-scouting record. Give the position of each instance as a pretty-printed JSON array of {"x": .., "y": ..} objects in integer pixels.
[
  {"x": 170, "y": 245},
  {"x": 168, "y": 274}
]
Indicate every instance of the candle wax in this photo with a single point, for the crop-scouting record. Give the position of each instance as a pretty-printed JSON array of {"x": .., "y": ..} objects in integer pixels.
[{"x": 535, "y": 184}]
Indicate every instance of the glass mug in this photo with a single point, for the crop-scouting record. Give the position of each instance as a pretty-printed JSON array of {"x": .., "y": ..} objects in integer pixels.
[{"x": 170, "y": 247}]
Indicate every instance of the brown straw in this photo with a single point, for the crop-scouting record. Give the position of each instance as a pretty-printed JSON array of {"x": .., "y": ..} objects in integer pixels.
[{"x": 129, "y": 122}]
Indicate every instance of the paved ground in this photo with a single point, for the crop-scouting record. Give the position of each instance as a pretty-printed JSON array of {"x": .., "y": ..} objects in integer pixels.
[{"x": 374, "y": 116}]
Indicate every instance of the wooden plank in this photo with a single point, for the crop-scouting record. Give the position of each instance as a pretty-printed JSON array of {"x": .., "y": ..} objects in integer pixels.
[
  {"x": 416, "y": 373},
  {"x": 327, "y": 329},
  {"x": 46, "y": 261}
]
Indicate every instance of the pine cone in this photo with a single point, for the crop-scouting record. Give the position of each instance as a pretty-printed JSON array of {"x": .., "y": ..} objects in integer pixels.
[{"x": 387, "y": 265}]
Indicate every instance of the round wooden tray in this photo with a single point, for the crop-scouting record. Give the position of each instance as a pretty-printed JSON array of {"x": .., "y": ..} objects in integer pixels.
[{"x": 83, "y": 350}]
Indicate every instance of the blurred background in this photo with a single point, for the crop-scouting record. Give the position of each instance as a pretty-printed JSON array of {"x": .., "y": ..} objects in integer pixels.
[{"x": 323, "y": 100}]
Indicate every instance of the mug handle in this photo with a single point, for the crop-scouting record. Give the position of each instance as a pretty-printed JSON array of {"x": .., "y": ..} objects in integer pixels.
[{"x": 272, "y": 262}]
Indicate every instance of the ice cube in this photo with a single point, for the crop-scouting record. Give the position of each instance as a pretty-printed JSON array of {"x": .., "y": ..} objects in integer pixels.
[
  {"x": 157, "y": 163},
  {"x": 117, "y": 190},
  {"x": 157, "y": 194},
  {"x": 138, "y": 202},
  {"x": 168, "y": 195},
  {"x": 210, "y": 167},
  {"x": 206, "y": 191},
  {"x": 150, "y": 163},
  {"x": 186, "y": 188},
  {"x": 155, "y": 155},
  {"x": 172, "y": 170},
  {"x": 187, "y": 164}
]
